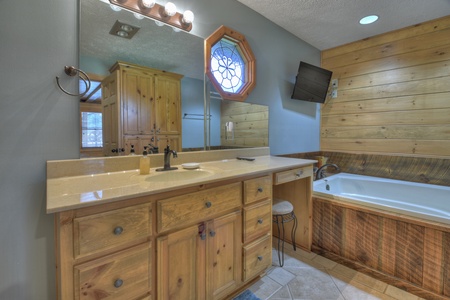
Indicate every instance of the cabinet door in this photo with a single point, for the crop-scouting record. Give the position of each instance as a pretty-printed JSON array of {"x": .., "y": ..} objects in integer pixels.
[
  {"x": 137, "y": 102},
  {"x": 174, "y": 141},
  {"x": 138, "y": 141},
  {"x": 167, "y": 105},
  {"x": 110, "y": 114},
  {"x": 223, "y": 255},
  {"x": 180, "y": 265}
]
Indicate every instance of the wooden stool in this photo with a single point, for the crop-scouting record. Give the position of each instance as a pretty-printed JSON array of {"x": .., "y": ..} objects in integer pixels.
[{"x": 283, "y": 212}]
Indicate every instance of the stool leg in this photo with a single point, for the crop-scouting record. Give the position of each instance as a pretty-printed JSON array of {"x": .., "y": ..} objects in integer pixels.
[
  {"x": 294, "y": 229},
  {"x": 282, "y": 241},
  {"x": 280, "y": 260}
]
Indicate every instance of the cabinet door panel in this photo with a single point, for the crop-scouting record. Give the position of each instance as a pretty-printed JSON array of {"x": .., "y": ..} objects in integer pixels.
[
  {"x": 130, "y": 102},
  {"x": 167, "y": 106},
  {"x": 223, "y": 255},
  {"x": 180, "y": 265}
]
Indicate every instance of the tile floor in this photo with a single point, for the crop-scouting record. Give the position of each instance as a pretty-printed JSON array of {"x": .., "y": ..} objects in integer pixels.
[{"x": 313, "y": 277}]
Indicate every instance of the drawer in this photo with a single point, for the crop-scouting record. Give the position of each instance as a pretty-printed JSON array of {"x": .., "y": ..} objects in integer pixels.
[
  {"x": 257, "y": 220},
  {"x": 124, "y": 275},
  {"x": 111, "y": 229},
  {"x": 291, "y": 175},
  {"x": 195, "y": 207},
  {"x": 257, "y": 189},
  {"x": 257, "y": 257}
]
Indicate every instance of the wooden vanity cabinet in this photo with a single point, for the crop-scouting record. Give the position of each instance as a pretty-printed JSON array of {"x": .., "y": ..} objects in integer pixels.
[
  {"x": 205, "y": 242},
  {"x": 140, "y": 105}
]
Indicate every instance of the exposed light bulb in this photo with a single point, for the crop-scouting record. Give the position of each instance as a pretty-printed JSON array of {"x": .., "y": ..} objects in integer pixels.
[
  {"x": 122, "y": 33},
  {"x": 115, "y": 7},
  {"x": 170, "y": 9},
  {"x": 138, "y": 16},
  {"x": 188, "y": 17},
  {"x": 176, "y": 29},
  {"x": 159, "y": 23},
  {"x": 148, "y": 3}
]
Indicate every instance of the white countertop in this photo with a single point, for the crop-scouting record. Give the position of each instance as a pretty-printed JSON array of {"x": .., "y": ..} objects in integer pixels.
[{"x": 73, "y": 192}]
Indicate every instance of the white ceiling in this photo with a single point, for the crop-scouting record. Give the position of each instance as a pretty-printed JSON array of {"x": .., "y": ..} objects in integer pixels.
[
  {"x": 322, "y": 23},
  {"x": 329, "y": 23}
]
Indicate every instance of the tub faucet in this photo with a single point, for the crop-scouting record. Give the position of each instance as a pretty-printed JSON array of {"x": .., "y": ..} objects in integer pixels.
[
  {"x": 167, "y": 152},
  {"x": 319, "y": 173}
]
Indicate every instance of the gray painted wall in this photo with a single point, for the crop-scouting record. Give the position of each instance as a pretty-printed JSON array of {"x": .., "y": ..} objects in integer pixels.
[{"x": 39, "y": 123}]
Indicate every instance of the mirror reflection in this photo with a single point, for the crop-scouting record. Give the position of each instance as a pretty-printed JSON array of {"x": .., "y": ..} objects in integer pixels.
[{"x": 159, "y": 48}]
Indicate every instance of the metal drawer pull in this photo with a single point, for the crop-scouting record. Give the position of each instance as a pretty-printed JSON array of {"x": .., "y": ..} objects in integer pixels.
[
  {"x": 260, "y": 189},
  {"x": 299, "y": 173},
  {"x": 208, "y": 204},
  {"x": 118, "y": 283},
  {"x": 260, "y": 221},
  {"x": 212, "y": 233},
  {"x": 260, "y": 258},
  {"x": 118, "y": 230}
]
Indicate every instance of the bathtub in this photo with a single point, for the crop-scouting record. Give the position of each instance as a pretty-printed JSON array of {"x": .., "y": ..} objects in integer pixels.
[{"x": 424, "y": 201}]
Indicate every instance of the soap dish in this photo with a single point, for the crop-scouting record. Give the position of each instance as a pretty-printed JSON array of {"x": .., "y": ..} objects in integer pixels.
[{"x": 190, "y": 166}]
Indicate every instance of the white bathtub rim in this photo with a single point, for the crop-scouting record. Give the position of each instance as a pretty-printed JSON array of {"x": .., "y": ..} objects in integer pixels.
[{"x": 439, "y": 217}]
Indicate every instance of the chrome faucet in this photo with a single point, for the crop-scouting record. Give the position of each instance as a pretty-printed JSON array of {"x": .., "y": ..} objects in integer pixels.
[
  {"x": 167, "y": 152},
  {"x": 319, "y": 173}
]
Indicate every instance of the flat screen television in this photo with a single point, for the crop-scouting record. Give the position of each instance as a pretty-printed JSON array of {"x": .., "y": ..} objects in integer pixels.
[{"x": 311, "y": 83}]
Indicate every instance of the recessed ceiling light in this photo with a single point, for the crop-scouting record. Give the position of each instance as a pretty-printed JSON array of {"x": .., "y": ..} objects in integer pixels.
[{"x": 368, "y": 19}]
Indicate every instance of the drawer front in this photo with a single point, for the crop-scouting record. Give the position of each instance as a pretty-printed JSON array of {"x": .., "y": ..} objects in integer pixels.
[
  {"x": 291, "y": 175},
  {"x": 257, "y": 189},
  {"x": 124, "y": 275},
  {"x": 257, "y": 257},
  {"x": 257, "y": 220},
  {"x": 111, "y": 229},
  {"x": 194, "y": 207}
]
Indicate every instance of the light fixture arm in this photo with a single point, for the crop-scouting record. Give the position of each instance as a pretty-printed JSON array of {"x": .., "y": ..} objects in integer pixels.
[{"x": 72, "y": 71}]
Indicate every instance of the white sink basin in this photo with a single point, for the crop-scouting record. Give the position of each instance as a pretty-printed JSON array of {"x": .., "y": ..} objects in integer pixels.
[{"x": 178, "y": 175}]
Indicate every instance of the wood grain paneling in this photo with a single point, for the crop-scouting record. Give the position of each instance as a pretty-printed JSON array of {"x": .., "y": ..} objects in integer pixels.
[
  {"x": 250, "y": 124},
  {"x": 408, "y": 254},
  {"x": 393, "y": 93}
]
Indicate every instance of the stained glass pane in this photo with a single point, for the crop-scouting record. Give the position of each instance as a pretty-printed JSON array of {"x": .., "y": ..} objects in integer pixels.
[{"x": 227, "y": 66}]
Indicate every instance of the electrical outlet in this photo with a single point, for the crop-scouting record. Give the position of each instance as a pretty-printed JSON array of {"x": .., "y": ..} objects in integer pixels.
[
  {"x": 334, "y": 94},
  {"x": 334, "y": 83}
]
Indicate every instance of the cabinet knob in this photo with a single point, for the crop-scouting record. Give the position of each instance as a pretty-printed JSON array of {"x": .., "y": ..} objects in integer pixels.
[
  {"x": 212, "y": 233},
  {"x": 260, "y": 189},
  {"x": 114, "y": 150},
  {"x": 260, "y": 221},
  {"x": 208, "y": 204},
  {"x": 118, "y": 230},
  {"x": 299, "y": 173},
  {"x": 260, "y": 258},
  {"x": 118, "y": 283}
]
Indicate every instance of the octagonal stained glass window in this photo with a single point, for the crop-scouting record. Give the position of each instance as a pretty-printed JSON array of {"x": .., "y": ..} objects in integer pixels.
[{"x": 230, "y": 64}]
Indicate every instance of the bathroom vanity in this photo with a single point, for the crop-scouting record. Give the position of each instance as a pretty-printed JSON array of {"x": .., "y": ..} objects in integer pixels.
[{"x": 186, "y": 234}]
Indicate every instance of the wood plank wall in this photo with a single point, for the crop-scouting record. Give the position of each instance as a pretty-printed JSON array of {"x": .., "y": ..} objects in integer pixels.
[
  {"x": 250, "y": 124},
  {"x": 393, "y": 93}
]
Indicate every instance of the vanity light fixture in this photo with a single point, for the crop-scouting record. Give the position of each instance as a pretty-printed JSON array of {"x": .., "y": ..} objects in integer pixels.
[{"x": 166, "y": 14}]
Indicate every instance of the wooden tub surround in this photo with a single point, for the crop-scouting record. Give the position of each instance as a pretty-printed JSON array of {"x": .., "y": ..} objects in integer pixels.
[
  {"x": 411, "y": 254},
  {"x": 124, "y": 237}
]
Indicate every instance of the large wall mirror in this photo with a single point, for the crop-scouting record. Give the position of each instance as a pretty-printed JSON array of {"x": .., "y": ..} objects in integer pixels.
[{"x": 160, "y": 47}]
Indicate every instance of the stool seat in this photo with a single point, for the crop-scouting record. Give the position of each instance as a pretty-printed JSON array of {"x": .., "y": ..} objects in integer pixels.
[
  {"x": 283, "y": 212},
  {"x": 281, "y": 207}
]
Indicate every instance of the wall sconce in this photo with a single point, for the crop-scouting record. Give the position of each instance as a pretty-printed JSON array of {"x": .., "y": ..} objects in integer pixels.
[{"x": 160, "y": 14}]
